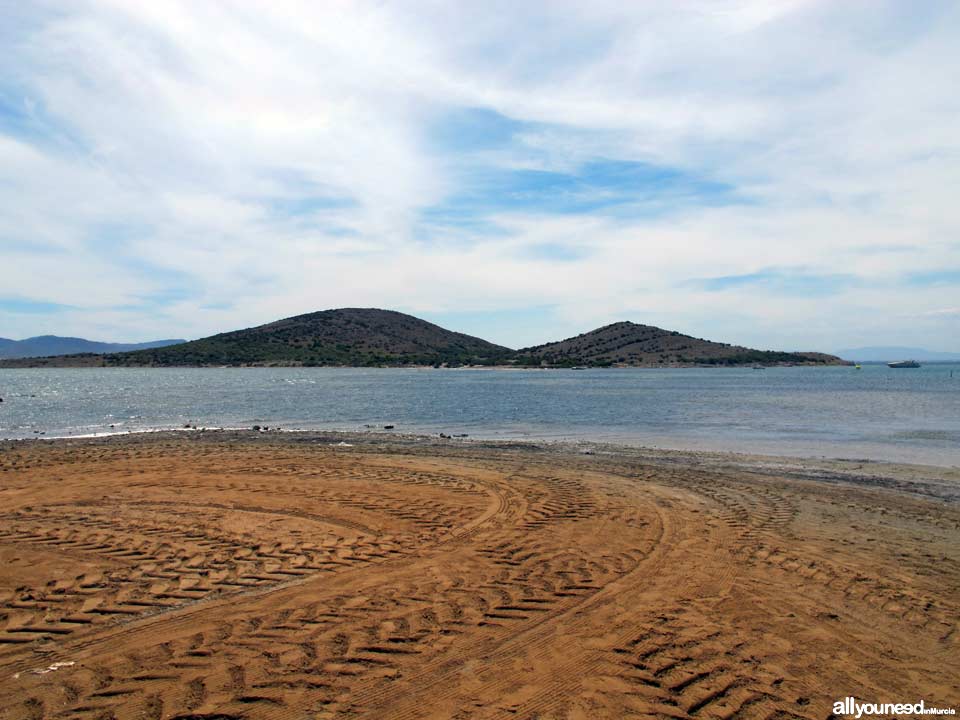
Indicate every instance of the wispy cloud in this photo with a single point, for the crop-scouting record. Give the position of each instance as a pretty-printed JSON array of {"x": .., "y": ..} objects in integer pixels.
[
  {"x": 934, "y": 278},
  {"x": 177, "y": 168},
  {"x": 941, "y": 313},
  {"x": 31, "y": 307},
  {"x": 806, "y": 282},
  {"x": 783, "y": 281}
]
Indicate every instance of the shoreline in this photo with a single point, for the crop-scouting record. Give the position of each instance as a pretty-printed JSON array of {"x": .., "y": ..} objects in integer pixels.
[
  {"x": 877, "y": 414},
  {"x": 53, "y": 364},
  {"x": 928, "y": 480}
]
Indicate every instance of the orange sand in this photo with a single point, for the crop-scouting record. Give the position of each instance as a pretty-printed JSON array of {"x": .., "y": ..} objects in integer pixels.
[{"x": 230, "y": 576}]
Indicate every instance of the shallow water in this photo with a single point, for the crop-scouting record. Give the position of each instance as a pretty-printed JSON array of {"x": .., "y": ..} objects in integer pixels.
[{"x": 875, "y": 413}]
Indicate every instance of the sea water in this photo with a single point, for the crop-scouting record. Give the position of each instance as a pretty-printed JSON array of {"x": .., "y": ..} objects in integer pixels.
[{"x": 907, "y": 415}]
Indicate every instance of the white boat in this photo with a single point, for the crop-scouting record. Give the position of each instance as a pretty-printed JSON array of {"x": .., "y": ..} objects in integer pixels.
[{"x": 904, "y": 364}]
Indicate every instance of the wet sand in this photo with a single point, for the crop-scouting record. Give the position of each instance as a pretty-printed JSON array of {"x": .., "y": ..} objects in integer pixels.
[{"x": 240, "y": 575}]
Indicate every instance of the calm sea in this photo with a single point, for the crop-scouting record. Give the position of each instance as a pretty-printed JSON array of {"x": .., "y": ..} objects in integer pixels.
[{"x": 876, "y": 412}]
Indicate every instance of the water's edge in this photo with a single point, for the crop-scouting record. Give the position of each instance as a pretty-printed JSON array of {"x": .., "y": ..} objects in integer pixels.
[{"x": 878, "y": 414}]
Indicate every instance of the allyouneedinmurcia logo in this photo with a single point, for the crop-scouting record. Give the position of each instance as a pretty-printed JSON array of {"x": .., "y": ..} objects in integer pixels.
[{"x": 850, "y": 707}]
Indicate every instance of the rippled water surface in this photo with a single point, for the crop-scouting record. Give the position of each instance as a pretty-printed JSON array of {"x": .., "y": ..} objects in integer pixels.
[{"x": 878, "y": 413}]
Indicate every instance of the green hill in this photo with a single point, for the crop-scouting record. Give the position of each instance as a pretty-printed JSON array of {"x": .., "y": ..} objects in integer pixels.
[
  {"x": 627, "y": 343},
  {"x": 350, "y": 336},
  {"x": 369, "y": 337}
]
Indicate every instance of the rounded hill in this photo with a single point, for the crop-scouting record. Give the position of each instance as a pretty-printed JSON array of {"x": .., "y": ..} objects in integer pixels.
[{"x": 348, "y": 336}]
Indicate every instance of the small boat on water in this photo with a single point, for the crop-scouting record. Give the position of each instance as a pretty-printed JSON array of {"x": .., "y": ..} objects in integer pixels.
[{"x": 904, "y": 364}]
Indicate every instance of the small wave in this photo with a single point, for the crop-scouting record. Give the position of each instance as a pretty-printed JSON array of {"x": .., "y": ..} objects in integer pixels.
[{"x": 935, "y": 435}]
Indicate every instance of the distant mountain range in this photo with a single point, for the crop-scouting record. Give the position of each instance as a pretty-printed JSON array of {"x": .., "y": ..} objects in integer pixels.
[
  {"x": 887, "y": 354},
  {"x": 47, "y": 345},
  {"x": 368, "y": 337}
]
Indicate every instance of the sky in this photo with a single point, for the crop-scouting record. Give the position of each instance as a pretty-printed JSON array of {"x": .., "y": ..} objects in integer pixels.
[{"x": 782, "y": 175}]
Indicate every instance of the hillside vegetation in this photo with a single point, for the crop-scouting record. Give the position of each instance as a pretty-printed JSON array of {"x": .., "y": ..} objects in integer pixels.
[
  {"x": 351, "y": 336},
  {"x": 627, "y": 343},
  {"x": 383, "y": 338}
]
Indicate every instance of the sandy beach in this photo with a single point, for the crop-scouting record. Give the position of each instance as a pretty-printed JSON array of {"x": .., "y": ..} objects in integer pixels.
[{"x": 318, "y": 575}]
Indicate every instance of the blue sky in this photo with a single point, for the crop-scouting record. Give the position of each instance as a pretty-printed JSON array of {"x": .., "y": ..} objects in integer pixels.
[{"x": 779, "y": 175}]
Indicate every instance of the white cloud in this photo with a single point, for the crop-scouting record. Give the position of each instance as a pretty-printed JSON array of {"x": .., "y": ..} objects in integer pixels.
[
  {"x": 153, "y": 150},
  {"x": 941, "y": 312}
]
